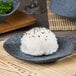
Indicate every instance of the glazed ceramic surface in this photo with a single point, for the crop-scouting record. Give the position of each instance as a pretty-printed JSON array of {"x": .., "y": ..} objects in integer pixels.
[
  {"x": 12, "y": 46},
  {"x": 65, "y": 8}
]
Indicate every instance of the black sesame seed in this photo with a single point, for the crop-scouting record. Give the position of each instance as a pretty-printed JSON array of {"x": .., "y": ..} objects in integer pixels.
[
  {"x": 38, "y": 35},
  {"x": 34, "y": 31},
  {"x": 33, "y": 36},
  {"x": 26, "y": 33},
  {"x": 46, "y": 36},
  {"x": 46, "y": 39}
]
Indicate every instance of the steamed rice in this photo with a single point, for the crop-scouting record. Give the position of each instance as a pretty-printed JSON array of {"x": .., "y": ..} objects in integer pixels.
[{"x": 39, "y": 41}]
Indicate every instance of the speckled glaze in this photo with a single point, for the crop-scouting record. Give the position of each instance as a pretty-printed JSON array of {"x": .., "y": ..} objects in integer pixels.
[
  {"x": 12, "y": 46},
  {"x": 65, "y": 8}
]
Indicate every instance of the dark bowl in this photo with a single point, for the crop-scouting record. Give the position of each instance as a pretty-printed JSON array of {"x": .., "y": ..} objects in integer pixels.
[
  {"x": 16, "y": 4},
  {"x": 65, "y": 8},
  {"x": 12, "y": 46}
]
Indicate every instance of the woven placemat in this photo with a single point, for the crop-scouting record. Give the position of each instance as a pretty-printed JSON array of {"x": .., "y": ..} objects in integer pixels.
[{"x": 58, "y": 22}]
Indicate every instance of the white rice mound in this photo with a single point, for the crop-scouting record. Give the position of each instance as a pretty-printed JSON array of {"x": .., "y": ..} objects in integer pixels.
[{"x": 39, "y": 41}]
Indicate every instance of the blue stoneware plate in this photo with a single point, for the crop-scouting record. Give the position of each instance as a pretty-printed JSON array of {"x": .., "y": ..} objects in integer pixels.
[
  {"x": 12, "y": 46},
  {"x": 65, "y": 8}
]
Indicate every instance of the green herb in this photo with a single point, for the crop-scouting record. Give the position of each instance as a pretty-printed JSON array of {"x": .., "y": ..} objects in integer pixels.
[{"x": 6, "y": 6}]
